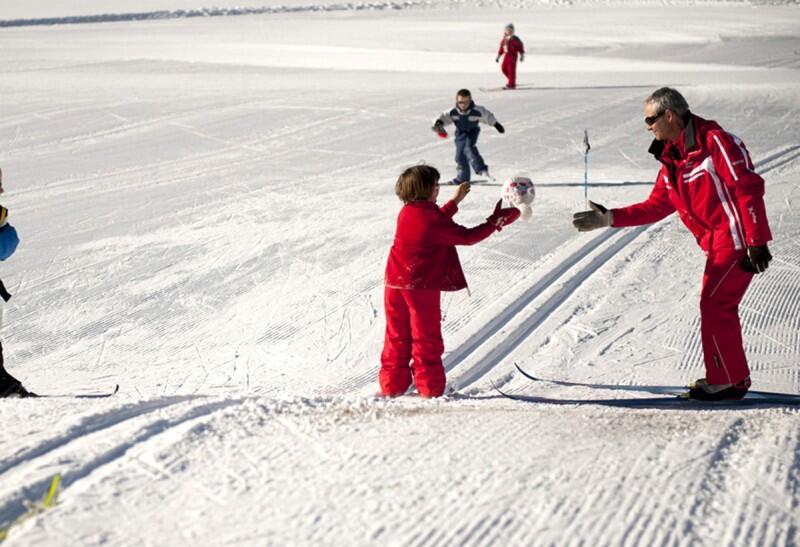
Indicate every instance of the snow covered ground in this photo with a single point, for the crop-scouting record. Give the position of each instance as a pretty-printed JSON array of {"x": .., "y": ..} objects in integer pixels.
[{"x": 206, "y": 206}]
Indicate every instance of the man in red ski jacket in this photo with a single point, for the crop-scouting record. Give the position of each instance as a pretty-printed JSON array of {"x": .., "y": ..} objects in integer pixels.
[
  {"x": 423, "y": 262},
  {"x": 511, "y": 47},
  {"x": 707, "y": 176}
]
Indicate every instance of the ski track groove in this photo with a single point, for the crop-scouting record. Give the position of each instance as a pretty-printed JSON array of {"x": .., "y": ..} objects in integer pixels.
[
  {"x": 13, "y": 505},
  {"x": 715, "y": 477},
  {"x": 653, "y": 515},
  {"x": 793, "y": 472},
  {"x": 485, "y": 262},
  {"x": 570, "y": 281},
  {"x": 755, "y": 468},
  {"x": 633, "y": 517},
  {"x": 88, "y": 425}
]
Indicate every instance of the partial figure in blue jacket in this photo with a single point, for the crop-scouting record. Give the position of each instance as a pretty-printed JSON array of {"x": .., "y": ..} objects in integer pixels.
[
  {"x": 9, "y": 386},
  {"x": 467, "y": 117}
]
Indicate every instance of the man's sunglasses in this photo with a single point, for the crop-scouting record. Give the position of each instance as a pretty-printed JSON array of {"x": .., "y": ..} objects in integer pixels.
[{"x": 650, "y": 120}]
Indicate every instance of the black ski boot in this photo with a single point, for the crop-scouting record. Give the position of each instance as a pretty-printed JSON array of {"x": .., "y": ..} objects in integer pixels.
[
  {"x": 10, "y": 386},
  {"x": 703, "y": 391}
]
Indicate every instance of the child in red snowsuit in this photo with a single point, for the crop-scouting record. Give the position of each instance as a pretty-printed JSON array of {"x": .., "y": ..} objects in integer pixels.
[
  {"x": 423, "y": 262},
  {"x": 510, "y": 46}
]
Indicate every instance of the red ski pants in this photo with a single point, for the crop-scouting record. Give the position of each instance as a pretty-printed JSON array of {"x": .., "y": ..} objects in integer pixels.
[
  {"x": 724, "y": 285},
  {"x": 413, "y": 329},
  {"x": 509, "y": 68}
]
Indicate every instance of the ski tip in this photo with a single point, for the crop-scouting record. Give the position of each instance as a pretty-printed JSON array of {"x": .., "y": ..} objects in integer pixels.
[
  {"x": 524, "y": 373},
  {"x": 116, "y": 389}
]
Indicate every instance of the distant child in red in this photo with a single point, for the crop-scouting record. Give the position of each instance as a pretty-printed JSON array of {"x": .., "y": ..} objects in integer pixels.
[
  {"x": 423, "y": 262},
  {"x": 510, "y": 46}
]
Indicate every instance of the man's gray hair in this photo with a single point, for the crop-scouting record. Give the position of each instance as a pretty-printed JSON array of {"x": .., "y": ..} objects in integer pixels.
[{"x": 667, "y": 98}]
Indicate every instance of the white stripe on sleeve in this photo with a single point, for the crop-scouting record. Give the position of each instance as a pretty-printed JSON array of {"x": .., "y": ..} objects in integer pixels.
[{"x": 727, "y": 159}]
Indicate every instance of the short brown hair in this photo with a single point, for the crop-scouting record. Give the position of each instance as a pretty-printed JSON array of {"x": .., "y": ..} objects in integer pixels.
[
  {"x": 416, "y": 183},
  {"x": 464, "y": 93}
]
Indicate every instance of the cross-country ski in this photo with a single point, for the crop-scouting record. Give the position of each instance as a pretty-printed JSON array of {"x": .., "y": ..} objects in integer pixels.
[
  {"x": 86, "y": 395},
  {"x": 668, "y": 390}
]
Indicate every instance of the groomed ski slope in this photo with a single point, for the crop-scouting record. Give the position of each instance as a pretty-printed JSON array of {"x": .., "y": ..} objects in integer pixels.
[{"x": 206, "y": 206}]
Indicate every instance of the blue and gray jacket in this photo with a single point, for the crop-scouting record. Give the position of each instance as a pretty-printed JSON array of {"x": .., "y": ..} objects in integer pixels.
[
  {"x": 466, "y": 121},
  {"x": 8, "y": 244}
]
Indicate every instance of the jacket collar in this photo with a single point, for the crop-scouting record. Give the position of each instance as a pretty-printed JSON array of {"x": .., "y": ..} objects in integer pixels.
[{"x": 423, "y": 204}]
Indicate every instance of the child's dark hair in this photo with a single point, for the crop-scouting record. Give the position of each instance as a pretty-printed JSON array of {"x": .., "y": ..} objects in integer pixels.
[
  {"x": 416, "y": 183},
  {"x": 464, "y": 93}
]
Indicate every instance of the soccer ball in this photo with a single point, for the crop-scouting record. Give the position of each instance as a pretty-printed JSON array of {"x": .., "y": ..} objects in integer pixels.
[{"x": 520, "y": 192}]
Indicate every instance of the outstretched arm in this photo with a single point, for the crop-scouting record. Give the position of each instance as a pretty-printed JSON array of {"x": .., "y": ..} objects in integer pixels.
[
  {"x": 653, "y": 209},
  {"x": 447, "y": 232},
  {"x": 440, "y": 122},
  {"x": 443, "y": 119},
  {"x": 486, "y": 115}
]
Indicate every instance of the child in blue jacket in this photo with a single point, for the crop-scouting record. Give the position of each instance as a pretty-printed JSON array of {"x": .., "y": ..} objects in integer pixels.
[
  {"x": 467, "y": 117},
  {"x": 9, "y": 386}
]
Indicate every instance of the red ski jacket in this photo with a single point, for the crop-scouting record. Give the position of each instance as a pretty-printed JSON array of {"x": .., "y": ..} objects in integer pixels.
[
  {"x": 512, "y": 46},
  {"x": 708, "y": 177},
  {"x": 423, "y": 255}
]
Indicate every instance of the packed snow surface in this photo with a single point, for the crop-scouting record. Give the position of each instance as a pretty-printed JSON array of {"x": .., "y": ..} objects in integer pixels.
[{"x": 206, "y": 205}]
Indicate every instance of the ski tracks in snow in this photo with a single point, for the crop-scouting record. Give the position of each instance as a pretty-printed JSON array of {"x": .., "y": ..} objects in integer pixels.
[
  {"x": 89, "y": 449},
  {"x": 545, "y": 297}
]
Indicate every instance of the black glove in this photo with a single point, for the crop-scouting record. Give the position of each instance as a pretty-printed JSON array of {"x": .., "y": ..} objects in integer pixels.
[
  {"x": 497, "y": 59},
  {"x": 596, "y": 217},
  {"x": 438, "y": 128},
  {"x": 757, "y": 259},
  {"x": 500, "y": 128}
]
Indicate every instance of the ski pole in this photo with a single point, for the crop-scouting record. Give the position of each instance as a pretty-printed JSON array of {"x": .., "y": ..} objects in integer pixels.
[{"x": 586, "y": 148}]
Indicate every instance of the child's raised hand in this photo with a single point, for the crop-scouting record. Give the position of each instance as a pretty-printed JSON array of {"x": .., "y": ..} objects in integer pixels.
[
  {"x": 461, "y": 192},
  {"x": 502, "y": 217}
]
